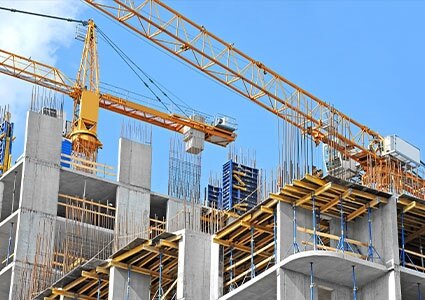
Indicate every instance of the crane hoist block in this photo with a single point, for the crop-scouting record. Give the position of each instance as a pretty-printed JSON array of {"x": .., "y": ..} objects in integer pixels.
[{"x": 194, "y": 139}]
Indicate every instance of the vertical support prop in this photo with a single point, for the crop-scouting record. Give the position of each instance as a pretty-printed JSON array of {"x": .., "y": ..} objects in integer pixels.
[
  {"x": 370, "y": 245},
  {"x": 295, "y": 243},
  {"x": 252, "y": 253},
  {"x": 127, "y": 294},
  {"x": 354, "y": 285},
  {"x": 231, "y": 269},
  {"x": 99, "y": 285},
  {"x": 311, "y": 282},
  {"x": 403, "y": 253},
  {"x": 421, "y": 251},
  {"x": 275, "y": 235},
  {"x": 314, "y": 224},
  {"x": 341, "y": 243},
  {"x": 9, "y": 246},
  {"x": 419, "y": 292},
  {"x": 160, "y": 276}
]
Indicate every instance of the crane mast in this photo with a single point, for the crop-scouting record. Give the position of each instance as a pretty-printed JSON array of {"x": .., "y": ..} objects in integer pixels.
[
  {"x": 228, "y": 65},
  {"x": 83, "y": 135}
]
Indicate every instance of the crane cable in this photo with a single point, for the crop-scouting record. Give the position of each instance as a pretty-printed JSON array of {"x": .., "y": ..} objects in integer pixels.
[
  {"x": 131, "y": 64},
  {"x": 121, "y": 53},
  {"x": 84, "y": 23}
]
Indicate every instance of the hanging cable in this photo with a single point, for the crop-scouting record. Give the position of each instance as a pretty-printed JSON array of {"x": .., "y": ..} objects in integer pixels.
[
  {"x": 84, "y": 23},
  {"x": 133, "y": 66}
]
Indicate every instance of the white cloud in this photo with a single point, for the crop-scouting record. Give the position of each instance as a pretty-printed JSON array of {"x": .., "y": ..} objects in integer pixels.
[{"x": 35, "y": 37}]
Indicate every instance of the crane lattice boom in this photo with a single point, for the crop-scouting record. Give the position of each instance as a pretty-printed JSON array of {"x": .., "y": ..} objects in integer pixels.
[{"x": 223, "y": 62}]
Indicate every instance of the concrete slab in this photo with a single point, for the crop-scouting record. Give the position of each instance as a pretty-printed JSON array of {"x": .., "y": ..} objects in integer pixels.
[
  {"x": 262, "y": 287},
  {"x": 409, "y": 283},
  {"x": 334, "y": 267},
  {"x": 329, "y": 267},
  {"x": 99, "y": 189}
]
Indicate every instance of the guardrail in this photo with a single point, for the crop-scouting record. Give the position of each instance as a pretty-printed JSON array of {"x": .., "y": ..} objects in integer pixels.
[{"x": 87, "y": 166}]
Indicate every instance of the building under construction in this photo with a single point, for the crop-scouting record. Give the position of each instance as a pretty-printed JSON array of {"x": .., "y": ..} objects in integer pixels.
[{"x": 74, "y": 228}]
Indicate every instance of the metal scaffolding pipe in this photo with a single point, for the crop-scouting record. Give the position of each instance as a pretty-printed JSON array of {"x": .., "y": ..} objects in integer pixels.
[
  {"x": 295, "y": 243},
  {"x": 311, "y": 282},
  {"x": 314, "y": 224},
  {"x": 99, "y": 285},
  {"x": 403, "y": 253},
  {"x": 252, "y": 253},
  {"x": 160, "y": 277},
  {"x": 341, "y": 243},
  {"x": 354, "y": 285}
]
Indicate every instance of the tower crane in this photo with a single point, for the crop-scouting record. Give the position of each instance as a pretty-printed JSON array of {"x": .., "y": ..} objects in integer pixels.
[
  {"x": 88, "y": 98},
  {"x": 222, "y": 61}
]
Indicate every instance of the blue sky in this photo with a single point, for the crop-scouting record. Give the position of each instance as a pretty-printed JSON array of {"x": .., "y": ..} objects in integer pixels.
[{"x": 365, "y": 57}]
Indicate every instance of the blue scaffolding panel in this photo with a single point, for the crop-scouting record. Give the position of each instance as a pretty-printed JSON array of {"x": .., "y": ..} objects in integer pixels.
[
  {"x": 66, "y": 149},
  {"x": 240, "y": 185},
  {"x": 6, "y": 131},
  {"x": 214, "y": 196}
]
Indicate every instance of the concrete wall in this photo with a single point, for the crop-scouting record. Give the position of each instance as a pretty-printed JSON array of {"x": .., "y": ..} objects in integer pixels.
[
  {"x": 133, "y": 197},
  {"x": 217, "y": 267},
  {"x": 132, "y": 215},
  {"x": 183, "y": 215},
  {"x": 135, "y": 163},
  {"x": 285, "y": 234},
  {"x": 384, "y": 231},
  {"x": 193, "y": 274},
  {"x": 39, "y": 194},
  {"x": 385, "y": 287},
  {"x": 128, "y": 285}
]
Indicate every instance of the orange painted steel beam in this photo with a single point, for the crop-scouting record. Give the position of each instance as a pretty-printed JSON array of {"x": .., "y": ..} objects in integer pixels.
[{"x": 223, "y": 62}]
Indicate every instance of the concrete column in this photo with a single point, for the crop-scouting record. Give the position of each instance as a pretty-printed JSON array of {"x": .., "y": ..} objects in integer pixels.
[
  {"x": 135, "y": 163},
  {"x": 293, "y": 285},
  {"x": 194, "y": 263},
  {"x": 39, "y": 194},
  {"x": 385, "y": 287},
  {"x": 128, "y": 285},
  {"x": 181, "y": 215},
  {"x": 132, "y": 215},
  {"x": 217, "y": 266},
  {"x": 285, "y": 233},
  {"x": 284, "y": 237},
  {"x": 133, "y": 198}
]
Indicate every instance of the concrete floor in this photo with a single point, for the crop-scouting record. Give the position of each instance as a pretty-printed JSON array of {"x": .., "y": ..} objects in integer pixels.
[
  {"x": 334, "y": 267},
  {"x": 328, "y": 266},
  {"x": 263, "y": 287},
  {"x": 72, "y": 183}
]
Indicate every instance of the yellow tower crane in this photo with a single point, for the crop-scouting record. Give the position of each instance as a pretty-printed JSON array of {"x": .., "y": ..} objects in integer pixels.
[{"x": 88, "y": 98}]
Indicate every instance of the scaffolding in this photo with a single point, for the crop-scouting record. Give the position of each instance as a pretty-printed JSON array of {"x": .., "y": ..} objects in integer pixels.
[
  {"x": 250, "y": 243},
  {"x": 157, "y": 258},
  {"x": 411, "y": 217}
]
